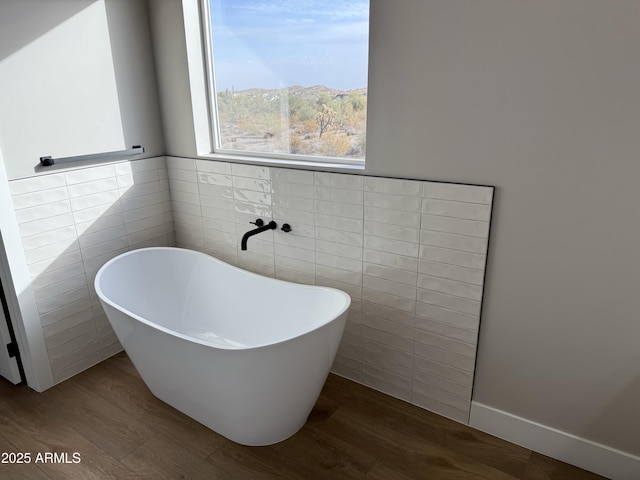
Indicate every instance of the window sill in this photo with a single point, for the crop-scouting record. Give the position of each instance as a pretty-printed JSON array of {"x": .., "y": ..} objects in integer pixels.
[{"x": 287, "y": 163}]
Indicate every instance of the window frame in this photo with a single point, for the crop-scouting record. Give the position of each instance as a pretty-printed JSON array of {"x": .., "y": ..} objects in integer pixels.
[{"x": 213, "y": 140}]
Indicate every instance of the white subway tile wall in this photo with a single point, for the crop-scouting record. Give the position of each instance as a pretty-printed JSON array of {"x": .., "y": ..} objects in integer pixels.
[
  {"x": 338, "y": 204},
  {"x": 410, "y": 253},
  {"x": 292, "y": 202},
  {"x": 391, "y": 266},
  {"x": 71, "y": 223}
]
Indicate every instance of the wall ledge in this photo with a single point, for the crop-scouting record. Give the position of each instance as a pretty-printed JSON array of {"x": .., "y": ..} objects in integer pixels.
[{"x": 583, "y": 453}]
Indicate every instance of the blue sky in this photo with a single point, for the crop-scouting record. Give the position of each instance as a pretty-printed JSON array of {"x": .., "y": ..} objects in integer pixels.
[{"x": 280, "y": 43}]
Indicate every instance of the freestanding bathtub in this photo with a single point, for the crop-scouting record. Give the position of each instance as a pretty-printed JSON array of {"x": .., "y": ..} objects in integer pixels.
[{"x": 243, "y": 354}]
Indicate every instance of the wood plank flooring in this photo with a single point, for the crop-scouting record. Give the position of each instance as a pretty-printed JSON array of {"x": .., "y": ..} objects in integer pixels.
[{"x": 121, "y": 431}]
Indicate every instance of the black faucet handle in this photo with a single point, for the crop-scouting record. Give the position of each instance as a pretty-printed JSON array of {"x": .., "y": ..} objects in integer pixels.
[
  {"x": 258, "y": 223},
  {"x": 286, "y": 228}
]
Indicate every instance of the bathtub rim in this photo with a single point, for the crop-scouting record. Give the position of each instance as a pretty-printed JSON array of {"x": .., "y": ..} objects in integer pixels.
[{"x": 104, "y": 298}]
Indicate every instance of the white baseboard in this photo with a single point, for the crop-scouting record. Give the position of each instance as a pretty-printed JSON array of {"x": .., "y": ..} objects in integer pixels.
[{"x": 563, "y": 446}]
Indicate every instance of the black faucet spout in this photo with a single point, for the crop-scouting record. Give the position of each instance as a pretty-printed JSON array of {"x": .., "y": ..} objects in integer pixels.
[{"x": 261, "y": 228}]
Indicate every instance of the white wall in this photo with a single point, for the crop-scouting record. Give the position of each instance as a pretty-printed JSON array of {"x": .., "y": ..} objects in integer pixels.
[
  {"x": 76, "y": 77},
  {"x": 169, "y": 47},
  {"x": 540, "y": 99}
]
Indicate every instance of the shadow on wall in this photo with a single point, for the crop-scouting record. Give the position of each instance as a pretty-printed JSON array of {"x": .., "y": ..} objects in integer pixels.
[
  {"x": 13, "y": 35},
  {"x": 137, "y": 93},
  {"x": 70, "y": 224}
]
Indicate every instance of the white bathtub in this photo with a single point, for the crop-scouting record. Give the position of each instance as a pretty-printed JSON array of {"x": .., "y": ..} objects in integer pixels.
[{"x": 244, "y": 354}]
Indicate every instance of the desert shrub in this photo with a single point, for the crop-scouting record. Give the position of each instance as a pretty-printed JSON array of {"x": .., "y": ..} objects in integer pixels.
[
  {"x": 344, "y": 111},
  {"x": 309, "y": 125},
  {"x": 246, "y": 126},
  {"x": 358, "y": 101},
  {"x": 295, "y": 144},
  {"x": 335, "y": 145},
  {"x": 271, "y": 123},
  {"x": 324, "y": 99},
  {"x": 300, "y": 110},
  {"x": 307, "y": 112}
]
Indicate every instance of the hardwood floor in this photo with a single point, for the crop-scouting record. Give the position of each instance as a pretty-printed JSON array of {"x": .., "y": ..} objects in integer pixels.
[{"x": 121, "y": 431}]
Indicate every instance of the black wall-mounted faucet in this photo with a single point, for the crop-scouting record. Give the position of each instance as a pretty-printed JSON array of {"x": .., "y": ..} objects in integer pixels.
[{"x": 261, "y": 228}]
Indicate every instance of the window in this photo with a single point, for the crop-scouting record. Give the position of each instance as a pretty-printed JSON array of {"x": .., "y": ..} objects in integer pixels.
[{"x": 289, "y": 78}]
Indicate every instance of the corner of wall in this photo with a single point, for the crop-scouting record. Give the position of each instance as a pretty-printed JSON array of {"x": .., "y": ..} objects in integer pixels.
[
  {"x": 583, "y": 453},
  {"x": 170, "y": 57},
  {"x": 20, "y": 298}
]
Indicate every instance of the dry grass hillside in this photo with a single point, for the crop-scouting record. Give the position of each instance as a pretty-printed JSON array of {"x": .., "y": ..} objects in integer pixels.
[{"x": 299, "y": 120}]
